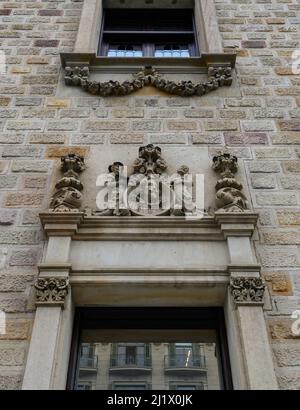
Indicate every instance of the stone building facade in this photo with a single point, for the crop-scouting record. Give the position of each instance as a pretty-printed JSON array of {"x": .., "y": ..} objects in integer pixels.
[{"x": 43, "y": 118}]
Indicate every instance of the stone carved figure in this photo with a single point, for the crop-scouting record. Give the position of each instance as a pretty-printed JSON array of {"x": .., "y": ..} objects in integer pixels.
[
  {"x": 115, "y": 184},
  {"x": 68, "y": 197},
  {"x": 148, "y": 76},
  {"x": 51, "y": 290},
  {"x": 183, "y": 194},
  {"x": 229, "y": 197},
  {"x": 247, "y": 290}
]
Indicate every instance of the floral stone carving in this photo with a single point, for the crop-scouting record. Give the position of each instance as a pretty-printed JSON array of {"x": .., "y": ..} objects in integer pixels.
[
  {"x": 51, "y": 291},
  {"x": 229, "y": 197},
  {"x": 247, "y": 290},
  {"x": 148, "y": 76},
  {"x": 68, "y": 197}
]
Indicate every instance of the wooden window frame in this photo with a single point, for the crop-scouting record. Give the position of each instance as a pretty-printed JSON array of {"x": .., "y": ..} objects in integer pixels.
[
  {"x": 147, "y": 39},
  {"x": 152, "y": 318}
]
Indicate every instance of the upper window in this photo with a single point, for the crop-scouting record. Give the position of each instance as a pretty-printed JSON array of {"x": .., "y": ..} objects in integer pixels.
[{"x": 148, "y": 33}]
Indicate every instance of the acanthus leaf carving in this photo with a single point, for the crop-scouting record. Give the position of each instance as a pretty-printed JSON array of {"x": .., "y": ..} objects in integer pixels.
[
  {"x": 229, "y": 197},
  {"x": 148, "y": 76},
  {"x": 247, "y": 290},
  {"x": 51, "y": 291},
  {"x": 68, "y": 197}
]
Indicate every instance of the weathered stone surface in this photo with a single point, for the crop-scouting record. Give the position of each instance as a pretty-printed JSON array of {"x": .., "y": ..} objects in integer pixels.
[
  {"x": 19, "y": 237},
  {"x": 11, "y": 356},
  {"x": 58, "y": 152},
  {"x": 263, "y": 181},
  {"x": 289, "y": 379},
  {"x": 7, "y": 217},
  {"x": 30, "y": 166},
  {"x": 279, "y": 283},
  {"x": 279, "y": 256},
  {"x": 12, "y": 282},
  {"x": 288, "y": 218},
  {"x": 8, "y": 181},
  {"x": 16, "y": 329},
  {"x": 24, "y": 199},
  {"x": 281, "y": 329},
  {"x": 27, "y": 257},
  {"x": 9, "y": 382},
  {"x": 276, "y": 199}
]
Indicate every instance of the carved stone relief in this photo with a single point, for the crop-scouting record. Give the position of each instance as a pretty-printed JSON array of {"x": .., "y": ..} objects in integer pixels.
[
  {"x": 149, "y": 191},
  {"x": 247, "y": 290},
  {"x": 230, "y": 197},
  {"x": 51, "y": 291},
  {"x": 68, "y": 197},
  {"x": 148, "y": 76}
]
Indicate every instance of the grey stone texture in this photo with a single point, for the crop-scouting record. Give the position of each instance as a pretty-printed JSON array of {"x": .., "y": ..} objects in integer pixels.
[{"x": 257, "y": 119}]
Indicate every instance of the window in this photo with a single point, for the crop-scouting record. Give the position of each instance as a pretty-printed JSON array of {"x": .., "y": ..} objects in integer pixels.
[
  {"x": 151, "y": 348},
  {"x": 148, "y": 33}
]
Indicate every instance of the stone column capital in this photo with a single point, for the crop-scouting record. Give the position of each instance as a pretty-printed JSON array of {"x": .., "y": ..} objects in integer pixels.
[
  {"x": 52, "y": 291},
  {"x": 247, "y": 291}
]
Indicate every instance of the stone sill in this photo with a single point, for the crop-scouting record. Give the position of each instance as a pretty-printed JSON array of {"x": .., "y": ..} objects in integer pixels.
[{"x": 168, "y": 65}]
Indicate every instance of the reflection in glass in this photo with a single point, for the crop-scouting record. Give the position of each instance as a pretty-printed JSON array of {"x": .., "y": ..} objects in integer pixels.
[
  {"x": 164, "y": 364},
  {"x": 124, "y": 51},
  {"x": 172, "y": 50}
]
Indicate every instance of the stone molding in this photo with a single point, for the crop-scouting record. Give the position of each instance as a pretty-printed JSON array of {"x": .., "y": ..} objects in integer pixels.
[
  {"x": 51, "y": 291},
  {"x": 247, "y": 291},
  {"x": 148, "y": 76}
]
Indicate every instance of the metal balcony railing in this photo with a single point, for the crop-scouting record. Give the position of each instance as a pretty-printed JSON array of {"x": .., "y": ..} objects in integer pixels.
[
  {"x": 125, "y": 361},
  {"x": 88, "y": 362},
  {"x": 185, "y": 361}
]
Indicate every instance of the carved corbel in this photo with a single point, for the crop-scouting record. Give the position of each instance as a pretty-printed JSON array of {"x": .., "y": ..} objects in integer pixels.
[
  {"x": 247, "y": 291},
  {"x": 51, "y": 291},
  {"x": 68, "y": 197},
  {"x": 229, "y": 197}
]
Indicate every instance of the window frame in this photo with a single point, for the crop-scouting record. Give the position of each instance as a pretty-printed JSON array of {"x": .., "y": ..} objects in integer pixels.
[
  {"x": 147, "y": 38},
  {"x": 154, "y": 318},
  {"x": 207, "y": 29}
]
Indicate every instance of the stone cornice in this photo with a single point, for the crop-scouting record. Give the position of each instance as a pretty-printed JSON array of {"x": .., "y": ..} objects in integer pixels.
[
  {"x": 82, "y": 227},
  {"x": 237, "y": 224},
  {"x": 61, "y": 224}
]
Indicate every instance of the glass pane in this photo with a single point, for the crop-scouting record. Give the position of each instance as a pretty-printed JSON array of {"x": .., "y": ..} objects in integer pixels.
[
  {"x": 172, "y": 50},
  {"x": 124, "y": 50},
  {"x": 146, "y": 359}
]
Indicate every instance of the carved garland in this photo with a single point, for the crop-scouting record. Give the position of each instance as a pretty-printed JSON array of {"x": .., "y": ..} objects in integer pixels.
[
  {"x": 217, "y": 77},
  {"x": 51, "y": 291},
  {"x": 247, "y": 290}
]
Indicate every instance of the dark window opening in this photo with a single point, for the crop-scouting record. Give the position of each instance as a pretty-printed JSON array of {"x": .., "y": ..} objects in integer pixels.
[
  {"x": 148, "y": 33},
  {"x": 149, "y": 348}
]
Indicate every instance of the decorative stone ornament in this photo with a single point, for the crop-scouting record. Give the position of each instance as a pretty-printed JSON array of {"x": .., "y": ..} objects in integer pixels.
[
  {"x": 148, "y": 76},
  {"x": 149, "y": 191},
  {"x": 247, "y": 291},
  {"x": 230, "y": 197},
  {"x": 68, "y": 197},
  {"x": 51, "y": 291}
]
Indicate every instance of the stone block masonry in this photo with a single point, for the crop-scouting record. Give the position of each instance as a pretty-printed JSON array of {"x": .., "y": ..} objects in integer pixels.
[{"x": 258, "y": 120}]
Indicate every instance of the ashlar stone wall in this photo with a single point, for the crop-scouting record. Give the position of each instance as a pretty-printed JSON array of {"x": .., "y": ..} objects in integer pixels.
[{"x": 258, "y": 119}]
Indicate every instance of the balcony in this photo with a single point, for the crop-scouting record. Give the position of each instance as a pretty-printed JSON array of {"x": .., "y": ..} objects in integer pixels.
[
  {"x": 88, "y": 363},
  {"x": 129, "y": 364},
  {"x": 185, "y": 364}
]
